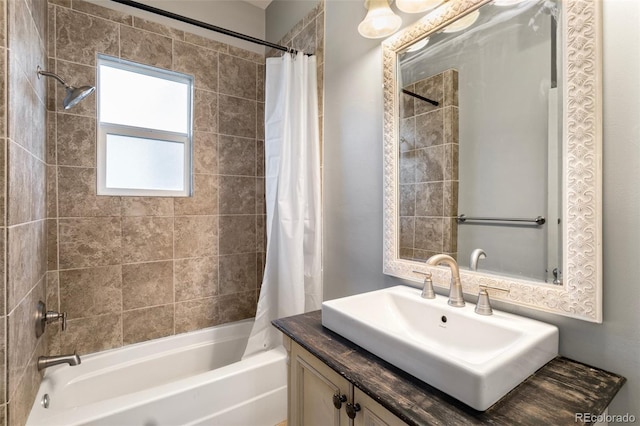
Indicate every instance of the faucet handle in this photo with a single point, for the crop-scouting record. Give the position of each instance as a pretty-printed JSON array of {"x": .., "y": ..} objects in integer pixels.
[
  {"x": 427, "y": 288},
  {"x": 52, "y": 316},
  {"x": 483, "y": 307}
]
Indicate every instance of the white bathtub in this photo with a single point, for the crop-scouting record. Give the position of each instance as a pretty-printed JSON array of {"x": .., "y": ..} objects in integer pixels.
[{"x": 189, "y": 379}]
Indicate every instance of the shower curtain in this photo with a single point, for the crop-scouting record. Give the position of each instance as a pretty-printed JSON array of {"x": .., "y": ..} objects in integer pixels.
[{"x": 292, "y": 276}]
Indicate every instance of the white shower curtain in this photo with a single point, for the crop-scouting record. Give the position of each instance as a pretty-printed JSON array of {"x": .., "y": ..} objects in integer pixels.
[{"x": 292, "y": 277}]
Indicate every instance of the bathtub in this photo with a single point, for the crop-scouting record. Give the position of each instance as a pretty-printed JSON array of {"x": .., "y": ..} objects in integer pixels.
[{"x": 190, "y": 379}]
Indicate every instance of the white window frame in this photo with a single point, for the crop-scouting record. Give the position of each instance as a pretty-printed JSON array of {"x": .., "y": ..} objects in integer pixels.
[{"x": 103, "y": 129}]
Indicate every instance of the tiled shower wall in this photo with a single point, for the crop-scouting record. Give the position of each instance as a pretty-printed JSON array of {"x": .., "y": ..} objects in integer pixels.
[
  {"x": 429, "y": 168},
  {"x": 130, "y": 269},
  {"x": 23, "y": 35}
]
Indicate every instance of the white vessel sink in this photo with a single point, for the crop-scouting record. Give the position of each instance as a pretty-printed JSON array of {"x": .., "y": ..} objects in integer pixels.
[{"x": 476, "y": 359}]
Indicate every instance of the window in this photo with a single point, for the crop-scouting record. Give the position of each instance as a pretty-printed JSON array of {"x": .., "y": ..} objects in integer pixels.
[{"x": 144, "y": 130}]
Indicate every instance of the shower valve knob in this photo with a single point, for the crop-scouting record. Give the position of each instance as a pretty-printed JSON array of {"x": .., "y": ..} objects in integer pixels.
[{"x": 52, "y": 316}]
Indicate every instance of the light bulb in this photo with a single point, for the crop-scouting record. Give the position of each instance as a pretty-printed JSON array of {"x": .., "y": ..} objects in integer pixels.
[
  {"x": 462, "y": 23},
  {"x": 417, "y": 6},
  {"x": 380, "y": 20}
]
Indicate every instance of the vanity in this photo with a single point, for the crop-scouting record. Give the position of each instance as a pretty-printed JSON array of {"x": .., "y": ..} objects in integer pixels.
[{"x": 332, "y": 380}]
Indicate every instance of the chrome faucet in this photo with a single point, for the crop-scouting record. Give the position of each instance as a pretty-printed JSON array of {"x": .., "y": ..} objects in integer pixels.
[
  {"x": 50, "y": 361},
  {"x": 455, "y": 289},
  {"x": 475, "y": 256}
]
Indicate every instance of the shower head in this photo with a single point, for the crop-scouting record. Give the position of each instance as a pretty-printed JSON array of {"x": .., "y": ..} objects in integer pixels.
[{"x": 74, "y": 94}]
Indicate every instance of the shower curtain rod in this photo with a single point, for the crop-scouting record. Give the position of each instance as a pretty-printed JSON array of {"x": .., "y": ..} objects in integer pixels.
[{"x": 204, "y": 25}]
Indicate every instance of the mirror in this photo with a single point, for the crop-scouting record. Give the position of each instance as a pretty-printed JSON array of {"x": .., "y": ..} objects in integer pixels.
[{"x": 492, "y": 145}]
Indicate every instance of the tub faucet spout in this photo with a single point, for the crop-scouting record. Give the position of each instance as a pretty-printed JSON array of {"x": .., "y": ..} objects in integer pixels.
[
  {"x": 50, "y": 361},
  {"x": 455, "y": 290}
]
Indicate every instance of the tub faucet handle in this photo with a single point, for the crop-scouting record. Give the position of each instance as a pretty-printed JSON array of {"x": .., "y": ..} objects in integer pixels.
[{"x": 52, "y": 316}]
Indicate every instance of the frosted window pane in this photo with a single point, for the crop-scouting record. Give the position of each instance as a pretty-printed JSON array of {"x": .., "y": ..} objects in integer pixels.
[
  {"x": 138, "y": 163},
  {"x": 134, "y": 99}
]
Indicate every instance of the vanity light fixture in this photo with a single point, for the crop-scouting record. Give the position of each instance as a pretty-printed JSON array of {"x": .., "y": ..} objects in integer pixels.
[
  {"x": 380, "y": 20},
  {"x": 506, "y": 3},
  {"x": 462, "y": 23},
  {"x": 417, "y": 6}
]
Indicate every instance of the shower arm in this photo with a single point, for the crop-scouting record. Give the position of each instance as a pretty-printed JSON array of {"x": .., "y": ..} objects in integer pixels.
[{"x": 50, "y": 74}]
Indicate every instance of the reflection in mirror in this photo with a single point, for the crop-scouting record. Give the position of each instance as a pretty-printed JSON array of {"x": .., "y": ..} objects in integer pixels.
[{"x": 480, "y": 142}]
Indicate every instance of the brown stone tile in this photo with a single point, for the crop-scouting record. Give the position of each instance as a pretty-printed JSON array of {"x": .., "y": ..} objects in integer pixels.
[
  {"x": 198, "y": 62},
  {"x": 39, "y": 11},
  {"x": 51, "y": 83},
  {"x": 260, "y": 81},
  {"x": 206, "y": 42},
  {"x": 147, "y": 324},
  {"x": 52, "y": 191},
  {"x": 21, "y": 337},
  {"x": 20, "y": 253},
  {"x": 405, "y": 253},
  {"x": 196, "y": 278},
  {"x": 89, "y": 242},
  {"x": 22, "y": 399},
  {"x": 91, "y": 292},
  {"x": 79, "y": 36},
  {"x": 63, "y": 3},
  {"x": 205, "y": 153},
  {"x": 430, "y": 164},
  {"x": 196, "y": 314},
  {"x": 450, "y": 85},
  {"x": 77, "y": 194},
  {"x": 145, "y": 47},
  {"x": 305, "y": 41},
  {"x": 261, "y": 202},
  {"x": 407, "y": 200},
  {"x": 3, "y": 365},
  {"x": 237, "y": 306},
  {"x": 102, "y": 12},
  {"x": 407, "y": 134},
  {"x": 260, "y": 120},
  {"x": 237, "y": 77},
  {"x": 38, "y": 189},
  {"x": 260, "y": 263},
  {"x": 408, "y": 162},
  {"x": 205, "y": 111},
  {"x": 196, "y": 236},
  {"x": 430, "y": 88},
  {"x": 449, "y": 235},
  {"x": 20, "y": 101},
  {"x": 429, "y": 129},
  {"x": 76, "y": 140},
  {"x": 145, "y": 239},
  {"x": 260, "y": 166},
  {"x": 39, "y": 256},
  {"x": 429, "y": 234},
  {"x": 204, "y": 200},
  {"x": 236, "y": 156},
  {"x": 147, "y": 206},
  {"x": 157, "y": 28},
  {"x": 407, "y": 108},
  {"x": 147, "y": 284},
  {"x": 237, "y": 234},
  {"x": 237, "y": 273},
  {"x": 450, "y": 197},
  {"x": 3, "y": 36},
  {"x": 429, "y": 199},
  {"x": 88, "y": 335},
  {"x": 76, "y": 75},
  {"x": 407, "y": 228},
  {"x": 237, "y": 116},
  {"x": 261, "y": 233},
  {"x": 451, "y": 166},
  {"x": 3, "y": 85},
  {"x": 451, "y": 125},
  {"x": 423, "y": 255},
  {"x": 246, "y": 54},
  {"x": 19, "y": 185},
  {"x": 52, "y": 244},
  {"x": 237, "y": 195},
  {"x": 52, "y": 290}
]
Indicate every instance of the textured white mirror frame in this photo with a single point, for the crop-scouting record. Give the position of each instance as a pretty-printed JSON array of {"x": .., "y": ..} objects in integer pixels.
[{"x": 580, "y": 296}]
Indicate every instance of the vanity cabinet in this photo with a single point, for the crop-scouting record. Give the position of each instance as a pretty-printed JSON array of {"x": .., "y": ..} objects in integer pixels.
[{"x": 318, "y": 396}]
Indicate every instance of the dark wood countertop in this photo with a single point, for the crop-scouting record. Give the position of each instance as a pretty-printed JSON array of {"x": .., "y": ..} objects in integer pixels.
[{"x": 551, "y": 396}]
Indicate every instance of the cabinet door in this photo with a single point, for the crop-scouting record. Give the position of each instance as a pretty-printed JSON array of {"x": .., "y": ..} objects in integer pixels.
[
  {"x": 313, "y": 385},
  {"x": 371, "y": 413}
]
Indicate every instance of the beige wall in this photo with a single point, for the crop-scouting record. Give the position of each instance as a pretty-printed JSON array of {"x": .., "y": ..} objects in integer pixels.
[
  {"x": 23, "y": 204},
  {"x": 130, "y": 269}
]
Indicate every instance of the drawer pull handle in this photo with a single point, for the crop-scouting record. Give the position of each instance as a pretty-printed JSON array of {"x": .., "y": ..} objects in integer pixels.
[
  {"x": 352, "y": 409},
  {"x": 338, "y": 400}
]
